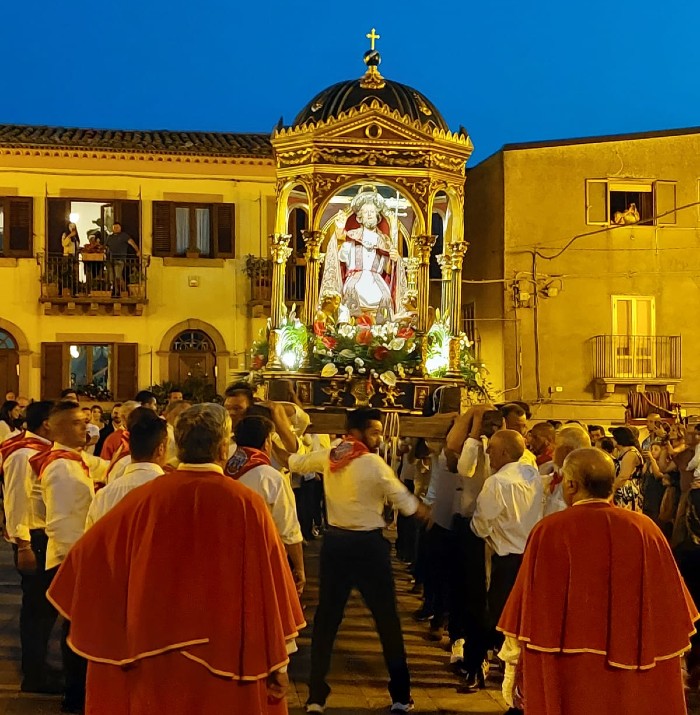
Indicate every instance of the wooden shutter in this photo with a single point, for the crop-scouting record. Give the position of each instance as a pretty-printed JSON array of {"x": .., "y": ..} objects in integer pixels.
[
  {"x": 597, "y": 202},
  {"x": 225, "y": 230},
  {"x": 665, "y": 201},
  {"x": 128, "y": 214},
  {"x": 18, "y": 226},
  {"x": 58, "y": 212},
  {"x": 125, "y": 381},
  {"x": 163, "y": 228},
  {"x": 54, "y": 372}
]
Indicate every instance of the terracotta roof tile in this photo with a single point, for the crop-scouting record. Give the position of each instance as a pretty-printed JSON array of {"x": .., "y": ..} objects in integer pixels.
[{"x": 159, "y": 142}]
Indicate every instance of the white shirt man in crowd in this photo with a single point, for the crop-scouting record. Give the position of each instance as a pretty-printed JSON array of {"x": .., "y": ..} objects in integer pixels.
[
  {"x": 507, "y": 509},
  {"x": 148, "y": 440},
  {"x": 67, "y": 475},
  {"x": 479, "y": 424},
  {"x": 354, "y": 554},
  {"x": 566, "y": 440},
  {"x": 25, "y": 520},
  {"x": 250, "y": 464}
]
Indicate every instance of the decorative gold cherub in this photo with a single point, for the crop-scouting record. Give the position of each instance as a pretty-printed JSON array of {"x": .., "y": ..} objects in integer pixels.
[
  {"x": 327, "y": 314},
  {"x": 390, "y": 393},
  {"x": 335, "y": 391}
]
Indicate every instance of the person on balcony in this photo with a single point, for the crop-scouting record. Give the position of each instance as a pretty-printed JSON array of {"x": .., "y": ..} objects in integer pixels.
[
  {"x": 70, "y": 242},
  {"x": 118, "y": 246}
]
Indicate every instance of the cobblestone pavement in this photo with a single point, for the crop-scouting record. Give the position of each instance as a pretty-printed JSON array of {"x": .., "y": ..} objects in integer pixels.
[{"x": 358, "y": 675}]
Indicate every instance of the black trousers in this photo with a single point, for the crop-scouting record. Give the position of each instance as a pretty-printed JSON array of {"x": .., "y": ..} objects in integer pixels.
[
  {"x": 74, "y": 668},
  {"x": 37, "y": 616},
  {"x": 504, "y": 572},
  {"x": 468, "y": 609},
  {"x": 440, "y": 564},
  {"x": 361, "y": 560}
]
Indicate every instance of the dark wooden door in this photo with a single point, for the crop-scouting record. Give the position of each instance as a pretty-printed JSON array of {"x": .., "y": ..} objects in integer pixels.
[
  {"x": 9, "y": 378},
  {"x": 185, "y": 366}
]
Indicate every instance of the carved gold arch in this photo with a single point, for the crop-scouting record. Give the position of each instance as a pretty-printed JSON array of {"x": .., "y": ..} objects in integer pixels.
[
  {"x": 454, "y": 227},
  {"x": 284, "y": 191},
  {"x": 346, "y": 181}
]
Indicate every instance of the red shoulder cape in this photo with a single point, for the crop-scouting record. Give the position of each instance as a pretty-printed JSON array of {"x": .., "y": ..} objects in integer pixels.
[
  {"x": 599, "y": 579},
  {"x": 189, "y": 562}
]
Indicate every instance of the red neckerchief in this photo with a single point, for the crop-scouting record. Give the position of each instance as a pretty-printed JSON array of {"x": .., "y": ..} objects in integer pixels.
[
  {"x": 545, "y": 457},
  {"x": 21, "y": 441},
  {"x": 40, "y": 461},
  {"x": 243, "y": 460},
  {"x": 123, "y": 450},
  {"x": 349, "y": 449},
  {"x": 557, "y": 478}
]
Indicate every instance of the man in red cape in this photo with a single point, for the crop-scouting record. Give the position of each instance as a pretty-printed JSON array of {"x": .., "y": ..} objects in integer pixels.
[
  {"x": 202, "y": 608},
  {"x": 599, "y": 616}
]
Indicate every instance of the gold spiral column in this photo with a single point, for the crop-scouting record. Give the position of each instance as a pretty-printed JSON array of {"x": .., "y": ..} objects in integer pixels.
[
  {"x": 423, "y": 247},
  {"x": 312, "y": 240},
  {"x": 458, "y": 249},
  {"x": 445, "y": 262},
  {"x": 280, "y": 250}
]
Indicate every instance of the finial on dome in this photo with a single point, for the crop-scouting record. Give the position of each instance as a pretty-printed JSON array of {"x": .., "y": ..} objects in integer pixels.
[{"x": 372, "y": 78}]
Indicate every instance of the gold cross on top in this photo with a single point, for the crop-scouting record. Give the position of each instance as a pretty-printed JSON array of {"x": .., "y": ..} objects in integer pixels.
[{"x": 372, "y": 37}]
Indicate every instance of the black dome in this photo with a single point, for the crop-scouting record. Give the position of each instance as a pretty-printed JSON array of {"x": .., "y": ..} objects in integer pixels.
[{"x": 351, "y": 94}]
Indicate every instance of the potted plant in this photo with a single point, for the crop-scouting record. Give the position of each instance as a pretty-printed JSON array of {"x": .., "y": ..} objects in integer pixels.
[
  {"x": 257, "y": 266},
  {"x": 137, "y": 289},
  {"x": 193, "y": 253},
  {"x": 100, "y": 289}
]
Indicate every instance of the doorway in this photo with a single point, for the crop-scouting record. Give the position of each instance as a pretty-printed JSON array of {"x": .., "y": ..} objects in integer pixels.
[{"x": 9, "y": 365}]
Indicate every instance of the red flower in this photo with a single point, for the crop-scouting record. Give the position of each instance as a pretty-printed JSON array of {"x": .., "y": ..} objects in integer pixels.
[
  {"x": 329, "y": 342},
  {"x": 381, "y": 352},
  {"x": 364, "y": 337},
  {"x": 405, "y": 332},
  {"x": 365, "y": 319},
  {"x": 257, "y": 362},
  {"x": 319, "y": 327}
]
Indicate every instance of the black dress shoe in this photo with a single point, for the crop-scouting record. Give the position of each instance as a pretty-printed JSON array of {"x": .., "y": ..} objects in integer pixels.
[
  {"x": 474, "y": 682},
  {"x": 422, "y": 615}
]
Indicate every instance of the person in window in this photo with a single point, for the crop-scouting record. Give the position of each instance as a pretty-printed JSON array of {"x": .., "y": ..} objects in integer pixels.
[
  {"x": 10, "y": 419},
  {"x": 93, "y": 269},
  {"x": 70, "y": 242},
  {"x": 117, "y": 245}
]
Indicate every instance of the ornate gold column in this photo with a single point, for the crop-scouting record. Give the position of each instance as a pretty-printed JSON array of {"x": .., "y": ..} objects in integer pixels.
[
  {"x": 312, "y": 240},
  {"x": 280, "y": 250},
  {"x": 423, "y": 246},
  {"x": 445, "y": 262},
  {"x": 458, "y": 250}
]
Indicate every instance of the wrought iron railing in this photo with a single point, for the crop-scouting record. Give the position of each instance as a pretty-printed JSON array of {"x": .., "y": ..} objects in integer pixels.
[
  {"x": 637, "y": 357},
  {"x": 93, "y": 276},
  {"x": 294, "y": 288}
]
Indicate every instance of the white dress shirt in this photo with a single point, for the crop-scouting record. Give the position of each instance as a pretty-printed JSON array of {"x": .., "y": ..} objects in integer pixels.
[
  {"x": 277, "y": 492},
  {"x": 118, "y": 468},
  {"x": 6, "y": 431},
  {"x": 24, "y": 501},
  {"x": 509, "y": 506},
  {"x": 441, "y": 492},
  {"x": 134, "y": 475},
  {"x": 68, "y": 492},
  {"x": 553, "y": 499},
  {"x": 93, "y": 433},
  {"x": 355, "y": 494},
  {"x": 473, "y": 468}
]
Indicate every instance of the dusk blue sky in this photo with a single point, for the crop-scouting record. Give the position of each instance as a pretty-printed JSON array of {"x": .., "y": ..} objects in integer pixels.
[{"x": 508, "y": 71}]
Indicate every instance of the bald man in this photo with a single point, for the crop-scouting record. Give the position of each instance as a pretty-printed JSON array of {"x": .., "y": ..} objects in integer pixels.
[
  {"x": 507, "y": 509},
  {"x": 583, "y": 619}
]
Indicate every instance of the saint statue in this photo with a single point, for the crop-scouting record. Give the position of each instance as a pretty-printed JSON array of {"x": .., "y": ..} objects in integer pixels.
[{"x": 362, "y": 261}]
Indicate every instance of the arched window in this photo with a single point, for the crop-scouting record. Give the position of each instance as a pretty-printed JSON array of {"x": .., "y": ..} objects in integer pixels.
[
  {"x": 9, "y": 365},
  {"x": 192, "y": 364}
]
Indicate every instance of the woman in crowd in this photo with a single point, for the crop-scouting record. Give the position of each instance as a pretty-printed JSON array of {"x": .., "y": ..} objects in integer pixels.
[
  {"x": 628, "y": 465},
  {"x": 10, "y": 419}
]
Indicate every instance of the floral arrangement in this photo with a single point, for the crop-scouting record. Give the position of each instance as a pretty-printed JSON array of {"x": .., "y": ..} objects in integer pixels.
[
  {"x": 292, "y": 341},
  {"x": 438, "y": 357},
  {"x": 365, "y": 347}
]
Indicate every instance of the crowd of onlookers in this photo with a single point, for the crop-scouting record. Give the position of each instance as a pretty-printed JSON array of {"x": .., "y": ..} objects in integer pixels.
[{"x": 487, "y": 484}]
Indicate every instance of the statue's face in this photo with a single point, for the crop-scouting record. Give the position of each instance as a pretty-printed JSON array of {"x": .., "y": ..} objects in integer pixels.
[{"x": 368, "y": 216}]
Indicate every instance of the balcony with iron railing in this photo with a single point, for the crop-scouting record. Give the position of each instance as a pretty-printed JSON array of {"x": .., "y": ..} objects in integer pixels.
[
  {"x": 93, "y": 283},
  {"x": 636, "y": 359},
  {"x": 261, "y": 285}
]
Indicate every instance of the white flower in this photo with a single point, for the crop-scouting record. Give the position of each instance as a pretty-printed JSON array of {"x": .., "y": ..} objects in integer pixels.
[
  {"x": 362, "y": 370},
  {"x": 376, "y": 330},
  {"x": 346, "y": 330},
  {"x": 388, "y": 378},
  {"x": 359, "y": 362},
  {"x": 397, "y": 344},
  {"x": 348, "y": 369},
  {"x": 347, "y": 354}
]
